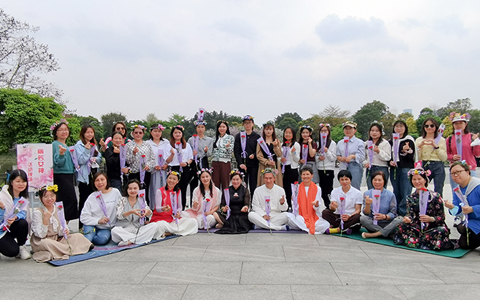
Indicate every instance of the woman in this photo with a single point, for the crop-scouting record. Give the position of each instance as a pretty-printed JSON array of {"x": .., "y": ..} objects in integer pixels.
[
  {"x": 115, "y": 173},
  {"x": 239, "y": 205},
  {"x": 326, "y": 163},
  {"x": 88, "y": 159},
  {"x": 307, "y": 144},
  {"x": 399, "y": 168},
  {"x": 203, "y": 152},
  {"x": 179, "y": 145},
  {"x": 432, "y": 153},
  {"x": 469, "y": 191},
  {"x": 222, "y": 154},
  {"x": 63, "y": 170},
  {"x": 128, "y": 228},
  {"x": 306, "y": 215},
  {"x": 424, "y": 231},
  {"x": 468, "y": 153},
  {"x": 351, "y": 153},
  {"x": 159, "y": 174},
  {"x": 120, "y": 127},
  {"x": 206, "y": 191},
  {"x": 167, "y": 222},
  {"x": 290, "y": 162},
  {"x": 352, "y": 199},
  {"x": 386, "y": 217},
  {"x": 48, "y": 242},
  {"x": 12, "y": 243},
  {"x": 382, "y": 153},
  {"x": 138, "y": 150},
  {"x": 273, "y": 144},
  {"x": 96, "y": 222}
]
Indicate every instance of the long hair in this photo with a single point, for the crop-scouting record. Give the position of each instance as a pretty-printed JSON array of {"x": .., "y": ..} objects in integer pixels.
[
  {"x": 300, "y": 138},
  {"x": 217, "y": 134},
  {"x": 82, "y": 134},
  {"x": 172, "y": 139},
  {"x": 124, "y": 126},
  {"x": 210, "y": 186},
  {"x": 329, "y": 139},
  {"x": 294, "y": 135},
  {"x": 380, "y": 128},
  {"x": 274, "y": 136},
  {"x": 125, "y": 189},
  {"x": 404, "y": 124},
  {"x": 424, "y": 133},
  {"x": 14, "y": 174}
]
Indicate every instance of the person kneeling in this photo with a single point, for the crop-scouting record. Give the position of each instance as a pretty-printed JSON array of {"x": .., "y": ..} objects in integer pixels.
[
  {"x": 306, "y": 214},
  {"x": 345, "y": 206},
  {"x": 273, "y": 196}
]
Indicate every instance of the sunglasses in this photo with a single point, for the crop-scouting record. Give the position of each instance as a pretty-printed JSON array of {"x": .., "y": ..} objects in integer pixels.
[{"x": 431, "y": 125}]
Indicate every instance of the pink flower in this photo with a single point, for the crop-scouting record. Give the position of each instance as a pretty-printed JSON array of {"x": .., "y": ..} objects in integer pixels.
[
  {"x": 195, "y": 135},
  {"x": 208, "y": 200},
  {"x": 342, "y": 198},
  {"x": 458, "y": 133},
  {"x": 243, "y": 136},
  {"x": 305, "y": 146},
  {"x": 60, "y": 207},
  {"x": 201, "y": 111},
  {"x": 142, "y": 195},
  {"x": 268, "y": 200},
  {"x": 178, "y": 143},
  {"x": 143, "y": 155},
  {"x": 71, "y": 150},
  {"x": 456, "y": 189},
  {"x": 296, "y": 182}
]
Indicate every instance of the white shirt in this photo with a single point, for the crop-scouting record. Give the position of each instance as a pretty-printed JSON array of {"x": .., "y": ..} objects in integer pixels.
[
  {"x": 383, "y": 157},
  {"x": 275, "y": 194},
  {"x": 352, "y": 197},
  {"x": 293, "y": 158},
  {"x": 92, "y": 212},
  {"x": 330, "y": 158},
  {"x": 187, "y": 153}
]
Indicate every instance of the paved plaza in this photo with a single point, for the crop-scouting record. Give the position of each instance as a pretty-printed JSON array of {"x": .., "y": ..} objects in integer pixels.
[{"x": 251, "y": 266}]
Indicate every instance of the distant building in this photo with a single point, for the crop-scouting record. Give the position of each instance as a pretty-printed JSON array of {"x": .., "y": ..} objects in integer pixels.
[{"x": 408, "y": 110}]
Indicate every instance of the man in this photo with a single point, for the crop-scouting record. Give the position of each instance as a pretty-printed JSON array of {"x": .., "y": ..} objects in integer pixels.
[
  {"x": 275, "y": 195},
  {"x": 308, "y": 207},
  {"x": 249, "y": 163},
  {"x": 353, "y": 159}
]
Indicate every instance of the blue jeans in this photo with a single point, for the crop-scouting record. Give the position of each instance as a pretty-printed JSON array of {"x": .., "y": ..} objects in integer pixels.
[
  {"x": 438, "y": 174},
  {"x": 96, "y": 235},
  {"x": 116, "y": 183},
  {"x": 356, "y": 169},
  {"x": 401, "y": 188},
  {"x": 368, "y": 174}
]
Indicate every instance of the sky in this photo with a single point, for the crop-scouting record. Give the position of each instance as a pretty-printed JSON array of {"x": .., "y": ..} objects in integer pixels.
[{"x": 262, "y": 58}]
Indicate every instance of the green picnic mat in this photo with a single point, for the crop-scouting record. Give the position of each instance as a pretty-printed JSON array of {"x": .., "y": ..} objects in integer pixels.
[{"x": 457, "y": 253}]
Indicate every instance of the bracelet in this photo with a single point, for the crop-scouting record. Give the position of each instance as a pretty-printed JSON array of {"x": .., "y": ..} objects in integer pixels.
[{"x": 386, "y": 217}]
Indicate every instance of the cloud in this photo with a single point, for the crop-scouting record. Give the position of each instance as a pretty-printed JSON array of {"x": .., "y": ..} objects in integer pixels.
[
  {"x": 451, "y": 25},
  {"x": 302, "y": 51},
  {"x": 333, "y": 30},
  {"x": 238, "y": 28},
  {"x": 365, "y": 35}
]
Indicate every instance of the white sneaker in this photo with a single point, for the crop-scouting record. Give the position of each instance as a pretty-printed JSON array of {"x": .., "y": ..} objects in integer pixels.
[{"x": 24, "y": 253}]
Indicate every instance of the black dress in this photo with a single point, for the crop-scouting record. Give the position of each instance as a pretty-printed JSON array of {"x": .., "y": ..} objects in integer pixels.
[{"x": 238, "y": 221}]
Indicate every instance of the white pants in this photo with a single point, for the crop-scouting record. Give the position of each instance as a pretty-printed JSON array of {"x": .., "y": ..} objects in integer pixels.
[
  {"x": 210, "y": 220},
  {"x": 186, "y": 226},
  {"x": 298, "y": 223},
  {"x": 277, "y": 220},
  {"x": 145, "y": 234}
]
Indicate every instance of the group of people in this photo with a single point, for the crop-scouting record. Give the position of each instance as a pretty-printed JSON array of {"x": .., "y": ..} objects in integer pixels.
[{"x": 279, "y": 185}]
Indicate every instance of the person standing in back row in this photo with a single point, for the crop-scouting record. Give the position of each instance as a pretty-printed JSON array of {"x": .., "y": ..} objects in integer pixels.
[{"x": 246, "y": 159}]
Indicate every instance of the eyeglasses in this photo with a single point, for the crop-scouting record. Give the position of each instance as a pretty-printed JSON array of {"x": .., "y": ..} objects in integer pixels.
[
  {"x": 457, "y": 173},
  {"x": 427, "y": 125},
  {"x": 138, "y": 132}
]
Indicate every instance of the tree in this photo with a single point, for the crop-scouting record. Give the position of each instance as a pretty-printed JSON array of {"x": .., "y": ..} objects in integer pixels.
[
  {"x": 333, "y": 115},
  {"x": 26, "y": 118},
  {"x": 109, "y": 119},
  {"x": 388, "y": 119},
  {"x": 412, "y": 127},
  {"x": 94, "y": 122},
  {"x": 448, "y": 127},
  {"x": 23, "y": 59},
  {"x": 367, "y": 114},
  {"x": 426, "y": 111},
  {"x": 404, "y": 116},
  {"x": 292, "y": 120}
]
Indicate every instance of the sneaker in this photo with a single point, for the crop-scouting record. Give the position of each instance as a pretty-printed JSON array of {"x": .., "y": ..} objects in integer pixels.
[{"x": 24, "y": 254}]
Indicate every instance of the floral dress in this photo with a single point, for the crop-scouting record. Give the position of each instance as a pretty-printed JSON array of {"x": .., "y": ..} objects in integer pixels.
[{"x": 434, "y": 235}]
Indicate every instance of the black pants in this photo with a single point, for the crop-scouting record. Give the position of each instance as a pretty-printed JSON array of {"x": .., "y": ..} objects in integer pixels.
[
  {"x": 84, "y": 191},
  {"x": 353, "y": 223},
  {"x": 326, "y": 184},
  {"x": 183, "y": 183},
  {"x": 289, "y": 177},
  {"x": 194, "y": 176},
  {"x": 19, "y": 231},
  {"x": 146, "y": 183},
  {"x": 473, "y": 239},
  {"x": 251, "y": 178}
]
